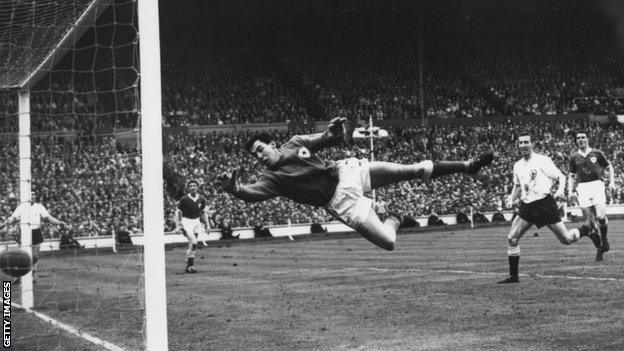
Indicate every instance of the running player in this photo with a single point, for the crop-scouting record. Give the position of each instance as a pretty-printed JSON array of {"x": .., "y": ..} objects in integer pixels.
[
  {"x": 296, "y": 172},
  {"x": 190, "y": 210},
  {"x": 533, "y": 177},
  {"x": 587, "y": 167}
]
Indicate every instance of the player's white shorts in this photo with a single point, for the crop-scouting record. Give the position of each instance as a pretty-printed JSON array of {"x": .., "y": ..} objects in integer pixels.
[
  {"x": 349, "y": 203},
  {"x": 192, "y": 226},
  {"x": 591, "y": 193}
]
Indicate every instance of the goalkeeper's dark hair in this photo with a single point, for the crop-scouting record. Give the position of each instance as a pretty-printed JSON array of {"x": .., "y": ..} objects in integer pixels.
[{"x": 262, "y": 136}]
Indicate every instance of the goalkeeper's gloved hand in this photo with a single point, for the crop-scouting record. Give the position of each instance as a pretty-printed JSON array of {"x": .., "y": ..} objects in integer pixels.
[
  {"x": 336, "y": 126},
  {"x": 229, "y": 182}
]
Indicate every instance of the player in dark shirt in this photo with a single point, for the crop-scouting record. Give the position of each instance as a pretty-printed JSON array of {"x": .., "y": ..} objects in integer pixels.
[
  {"x": 190, "y": 215},
  {"x": 587, "y": 167},
  {"x": 296, "y": 172}
]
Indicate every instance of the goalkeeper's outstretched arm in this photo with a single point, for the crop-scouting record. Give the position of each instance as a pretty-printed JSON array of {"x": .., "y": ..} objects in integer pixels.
[{"x": 256, "y": 192}]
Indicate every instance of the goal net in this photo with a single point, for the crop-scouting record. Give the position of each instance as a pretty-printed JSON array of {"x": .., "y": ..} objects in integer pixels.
[{"x": 71, "y": 140}]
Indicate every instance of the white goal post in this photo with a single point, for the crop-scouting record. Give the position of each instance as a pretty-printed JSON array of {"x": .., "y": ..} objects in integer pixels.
[{"x": 25, "y": 66}]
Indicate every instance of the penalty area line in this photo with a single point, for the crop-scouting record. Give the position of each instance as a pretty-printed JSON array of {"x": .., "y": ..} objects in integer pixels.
[
  {"x": 68, "y": 328},
  {"x": 544, "y": 276}
]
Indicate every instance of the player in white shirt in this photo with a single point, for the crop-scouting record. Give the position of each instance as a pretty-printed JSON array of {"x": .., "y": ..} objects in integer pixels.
[
  {"x": 534, "y": 175},
  {"x": 38, "y": 213}
]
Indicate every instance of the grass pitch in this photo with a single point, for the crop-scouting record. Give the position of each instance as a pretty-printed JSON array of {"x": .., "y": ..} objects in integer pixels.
[{"x": 436, "y": 291}]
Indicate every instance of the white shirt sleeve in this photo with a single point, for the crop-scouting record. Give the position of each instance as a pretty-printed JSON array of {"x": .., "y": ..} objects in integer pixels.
[
  {"x": 516, "y": 178},
  {"x": 43, "y": 211},
  {"x": 549, "y": 168},
  {"x": 17, "y": 213}
]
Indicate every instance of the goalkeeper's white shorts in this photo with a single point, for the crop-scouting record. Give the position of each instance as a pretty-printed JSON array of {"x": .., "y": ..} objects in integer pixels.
[{"x": 591, "y": 193}]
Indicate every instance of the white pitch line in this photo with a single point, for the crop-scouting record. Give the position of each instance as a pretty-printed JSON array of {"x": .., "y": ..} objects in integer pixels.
[
  {"x": 571, "y": 277},
  {"x": 68, "y": 328}
]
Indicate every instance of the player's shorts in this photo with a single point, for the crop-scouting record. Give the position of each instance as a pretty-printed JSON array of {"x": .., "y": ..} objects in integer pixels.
[
  {"x": 37, "y": 236},
  {"x": 541, "y": 212},
  {"x": 349, "y": 203},
  {"x": 591, "y": 193},
  {"x": 192, "y": 226}
]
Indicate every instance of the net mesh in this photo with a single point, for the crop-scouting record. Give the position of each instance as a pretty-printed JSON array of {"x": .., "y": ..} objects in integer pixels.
[{"x": 86, "y": 165}]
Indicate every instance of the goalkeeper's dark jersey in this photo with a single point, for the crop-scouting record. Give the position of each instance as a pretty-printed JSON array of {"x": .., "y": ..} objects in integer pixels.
[
  {"x": 300, "y": 175},
  {"x": 588, "y": 167}
]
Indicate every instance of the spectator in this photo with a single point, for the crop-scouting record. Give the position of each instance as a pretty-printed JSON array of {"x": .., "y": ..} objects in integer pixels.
[
  {"x": 226, "y": 230},
  {"x": 316, "y": 227},
  {"x": 461, "y": 217}
]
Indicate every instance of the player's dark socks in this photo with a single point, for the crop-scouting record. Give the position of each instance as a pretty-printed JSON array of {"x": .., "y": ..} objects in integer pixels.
[
  {"x": 475, "y": 164},
  {"x": 591, "y": 232},
  {"x": 605, "y": 244},
  {"x": 441, "y": 168},
  {"x": 513, "y": 265},
  {"x": 513, "y": 271},
  {"x": 190, "y": 261},
  {"x": 599, "y": 256}
]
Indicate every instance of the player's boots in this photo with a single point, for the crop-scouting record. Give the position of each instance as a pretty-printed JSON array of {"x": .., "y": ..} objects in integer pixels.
[
  {"x": 602, "y": 249},
  {"x": 509, "y": 279},
  {"x": 190, "y": 269},
  {"x": 476, "y": 163},
  {"x": 595, "y": 237}
]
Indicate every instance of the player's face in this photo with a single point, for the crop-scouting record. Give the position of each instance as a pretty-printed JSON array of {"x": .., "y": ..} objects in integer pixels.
[
  {"x": 525, "y": 145},
  {"x": 267, "y": 154},
  {"x": 193, "y": 188},
  {"x": 581, "y": 140}
]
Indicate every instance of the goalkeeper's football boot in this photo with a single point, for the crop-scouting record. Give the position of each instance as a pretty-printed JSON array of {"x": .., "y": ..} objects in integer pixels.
[
  {"x": 509, "y": 279},
  {"x": 476, "y": 163},
  {"x": 603, "y": 248},
  {"x": 347, "y": 133},
  {"x": 595, "y": 237}
]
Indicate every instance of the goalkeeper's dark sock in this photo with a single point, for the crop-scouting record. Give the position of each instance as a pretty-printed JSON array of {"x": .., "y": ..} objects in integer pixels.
[
  {"x": 189, "y": 261},
  {"x": 604, "y": 228},
  {"x": 513, "y": 265},
  {"x": 584, "y": 230},
  {"x": 441, "y": 168}
]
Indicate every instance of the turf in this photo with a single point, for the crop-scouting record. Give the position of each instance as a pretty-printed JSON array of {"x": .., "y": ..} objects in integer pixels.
[{"x": 436, "y": 291}]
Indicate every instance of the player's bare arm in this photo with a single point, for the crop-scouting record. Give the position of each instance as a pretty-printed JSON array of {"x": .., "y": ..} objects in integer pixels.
[
  {"x": 571, "y": 184},
  {"x": 611, "y": 172},
  {"x": 560, "y": 192},
  {"x": 514, "y": 197},
  {"x": 56, "y": 221}
]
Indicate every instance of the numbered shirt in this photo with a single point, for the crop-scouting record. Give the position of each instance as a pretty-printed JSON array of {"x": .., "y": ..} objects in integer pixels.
[
  {"x": 588, "y": 167},
  {"x": 300, "y": 174},
  {"x": 37, "y": 212},
  {"x": 535, "y": 176}
]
